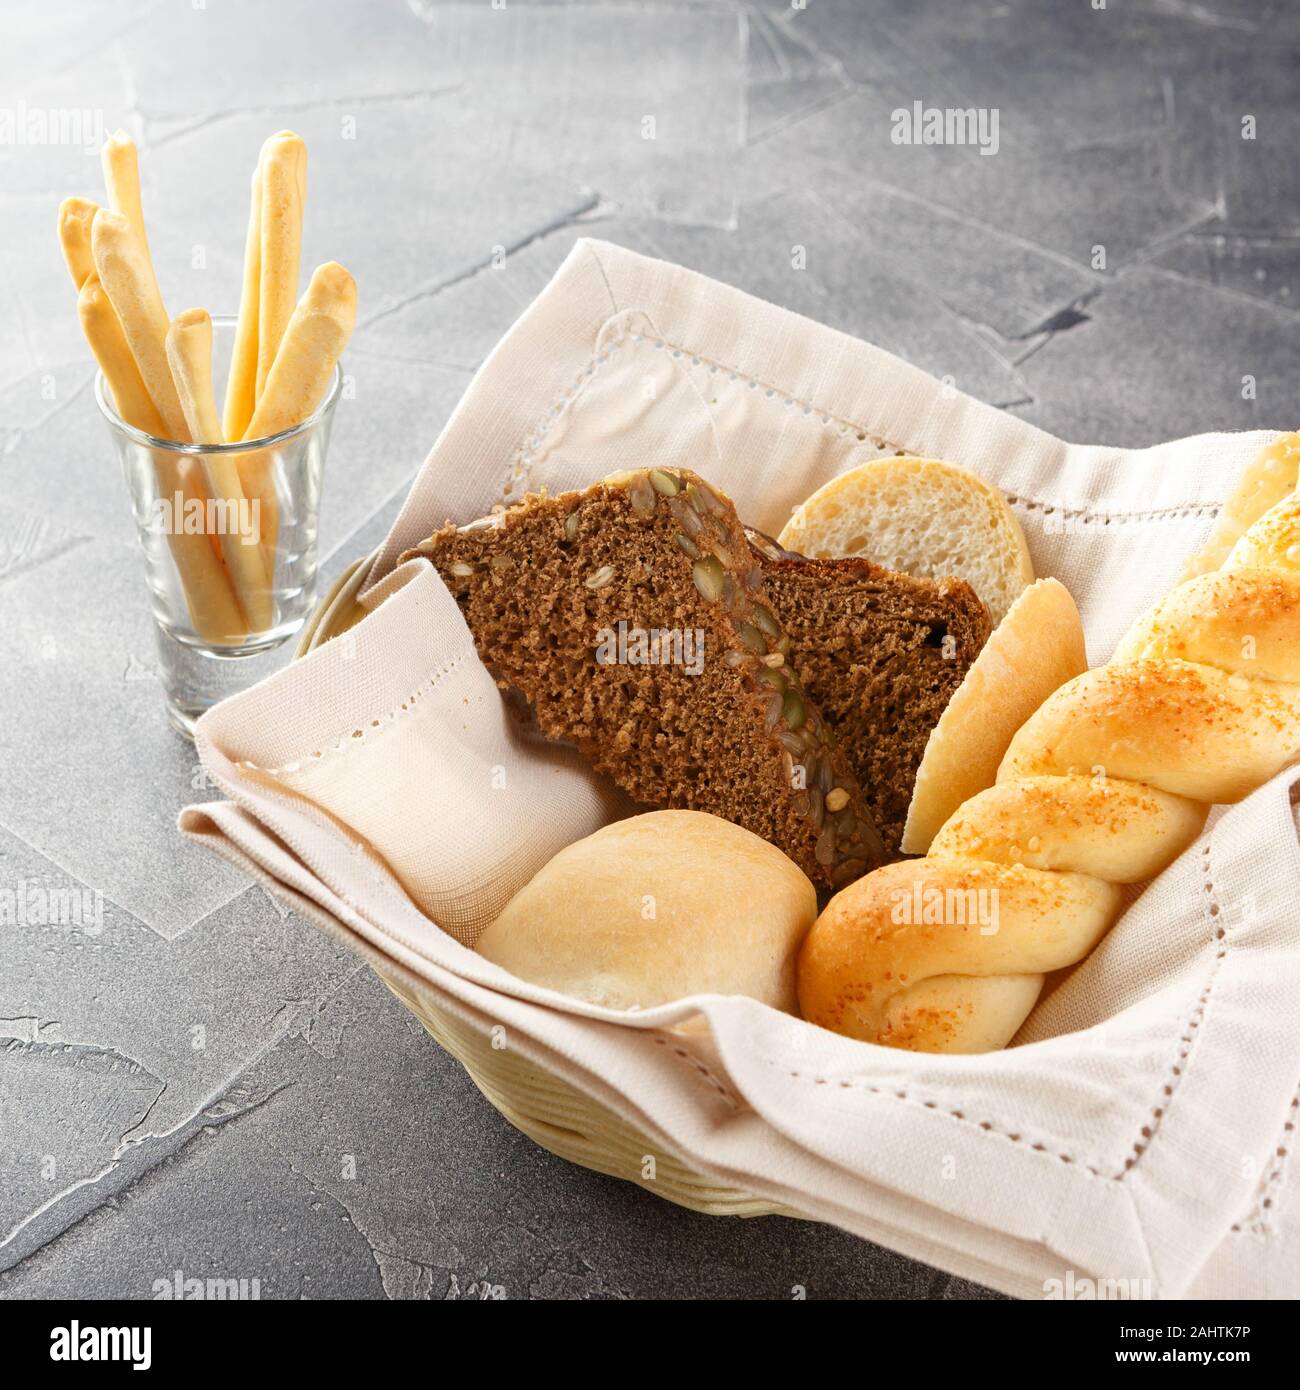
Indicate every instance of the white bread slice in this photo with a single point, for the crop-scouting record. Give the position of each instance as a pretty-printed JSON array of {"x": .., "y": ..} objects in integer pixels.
[
  {"x": 922, "y": 517},
  {"x": 1036, "y": 648}
]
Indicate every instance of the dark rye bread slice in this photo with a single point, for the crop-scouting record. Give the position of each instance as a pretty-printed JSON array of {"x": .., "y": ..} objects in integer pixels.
[
  {"x": 881, "y": 654},
  {"x": 544, "y": 587}
]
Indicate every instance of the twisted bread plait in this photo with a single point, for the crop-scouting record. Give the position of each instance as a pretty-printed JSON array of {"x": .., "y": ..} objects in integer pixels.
[{"x": 1107, "y": 783}]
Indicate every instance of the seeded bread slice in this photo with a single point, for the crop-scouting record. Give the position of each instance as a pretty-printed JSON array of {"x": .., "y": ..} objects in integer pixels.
[
  {"x": 881, "y": 654},
  {"x": 544, "y": 587}
]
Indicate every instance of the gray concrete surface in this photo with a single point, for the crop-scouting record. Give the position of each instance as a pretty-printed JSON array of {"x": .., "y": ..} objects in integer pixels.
[{"x": 205, "y": 1084}]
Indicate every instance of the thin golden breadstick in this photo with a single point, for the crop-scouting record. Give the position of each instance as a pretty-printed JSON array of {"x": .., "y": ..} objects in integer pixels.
[
  {"x": 209, "y": 592},
  {"x": 122, "y": 177},
  {"x": 75, "y": 217},
  {"x": 100, "y": 324},
  {"x": 124, "y": 271},
  {"x": 189, "y": 351},
  {"x": 209, "y": 596},
  {"x": 189, "y": 355},
  {"x": 241, "y": 386},
  {"x": 312, "y": 345},
  {"x": 284, "y": 188}
]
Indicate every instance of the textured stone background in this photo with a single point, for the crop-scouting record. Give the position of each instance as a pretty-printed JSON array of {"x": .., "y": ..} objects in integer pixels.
[{"x": 439, "y": 132}]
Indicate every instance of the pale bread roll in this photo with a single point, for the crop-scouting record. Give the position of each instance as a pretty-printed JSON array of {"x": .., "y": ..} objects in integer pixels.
[
  {"x": 1270, "y": 476},
  {"x": 656, "y": 907},
  {"x": 921, "y": 517},
  {"x": 1037, "y": 647}
]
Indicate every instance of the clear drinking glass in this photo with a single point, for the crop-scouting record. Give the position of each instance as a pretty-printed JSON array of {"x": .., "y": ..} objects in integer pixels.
[{"x": 231, "y": 570}]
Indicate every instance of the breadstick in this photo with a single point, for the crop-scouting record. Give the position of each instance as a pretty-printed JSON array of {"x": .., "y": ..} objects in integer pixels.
[
  {"x": 75, "y": 217},
  {"x": 122, "y": 177},
  {"x": 313, "y": 343},
  {"x": 284, "y": 186},
  {"x": 241, "y": 386},
  {"x": 189, "y": 354},
  {"x": 189, "y": 351},
  {"x": 104, "y": 333},
  {"x": 124, "y": 271},
  {"x": 208, "y": 594}
]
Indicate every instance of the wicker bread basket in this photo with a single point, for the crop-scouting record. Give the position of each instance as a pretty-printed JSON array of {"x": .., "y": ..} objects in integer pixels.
[{"x": 549, "y": 1111}]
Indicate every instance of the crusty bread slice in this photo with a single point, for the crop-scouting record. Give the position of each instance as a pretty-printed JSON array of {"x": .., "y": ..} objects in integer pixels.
[
  {"x": 881, "y": 655},
  {"x": 1036, "y": 648},
  {"x": 636, "y": 621},
  {"x": 922, "y": 517}
]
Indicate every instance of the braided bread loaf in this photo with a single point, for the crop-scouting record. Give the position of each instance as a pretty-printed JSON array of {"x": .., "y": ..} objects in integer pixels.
[{"x": 1107, "y": 783}]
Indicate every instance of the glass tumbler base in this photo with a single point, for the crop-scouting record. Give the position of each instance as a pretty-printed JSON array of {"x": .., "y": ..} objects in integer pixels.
[{"x": 194, "y": 678}]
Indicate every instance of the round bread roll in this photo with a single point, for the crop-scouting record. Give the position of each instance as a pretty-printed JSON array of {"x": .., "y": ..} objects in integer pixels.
[
  {"x": 921, "y": 517},
  {"x": 656, "y": 907}
]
